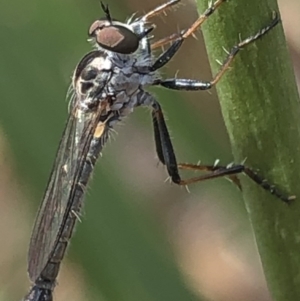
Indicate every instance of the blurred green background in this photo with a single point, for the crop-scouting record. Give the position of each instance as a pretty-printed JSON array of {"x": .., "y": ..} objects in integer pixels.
[{"x": 141, "y": 238}]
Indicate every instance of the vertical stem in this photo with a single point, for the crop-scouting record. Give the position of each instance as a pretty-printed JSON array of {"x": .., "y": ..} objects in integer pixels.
[{"x": 260, "y": 105}]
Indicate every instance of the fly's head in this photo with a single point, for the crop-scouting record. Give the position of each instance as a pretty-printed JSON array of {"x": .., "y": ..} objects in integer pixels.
[
  {"x": 116, "y": 66},
  {"x": 116, "y": 36}
]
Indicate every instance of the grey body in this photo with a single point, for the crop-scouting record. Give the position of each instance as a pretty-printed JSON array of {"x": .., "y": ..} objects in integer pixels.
[{"x": 106, "y": 87}]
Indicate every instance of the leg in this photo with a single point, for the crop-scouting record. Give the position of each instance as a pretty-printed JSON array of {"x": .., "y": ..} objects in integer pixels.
[
  {"x": 231, "y": 171},
  {"x": 183, "y": 35},
  {"x": 194, "y": 85},
  {"x": 164, "y": 147},
  {"x": 164, "y": 57},
  {"x": 167, "y": 55},
  {"x": 177, "y": 38},
  {"x": 139, "y": 25},
  {"x": 166, "y": 155},
  {"x": 158, "y": 10}
]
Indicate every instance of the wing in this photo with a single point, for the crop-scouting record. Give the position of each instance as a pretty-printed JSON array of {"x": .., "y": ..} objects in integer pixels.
[{"x": 70, "y": 158}]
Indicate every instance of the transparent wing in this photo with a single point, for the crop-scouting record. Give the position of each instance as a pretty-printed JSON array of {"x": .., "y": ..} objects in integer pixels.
[{"x": 70, "y": 157}]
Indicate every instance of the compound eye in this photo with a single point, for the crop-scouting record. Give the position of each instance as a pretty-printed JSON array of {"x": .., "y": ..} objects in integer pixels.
[{"x": 114, "y": 37}]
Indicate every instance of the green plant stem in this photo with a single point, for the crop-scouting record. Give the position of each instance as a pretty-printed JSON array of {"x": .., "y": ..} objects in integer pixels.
[{"x": 260, "y": 105}]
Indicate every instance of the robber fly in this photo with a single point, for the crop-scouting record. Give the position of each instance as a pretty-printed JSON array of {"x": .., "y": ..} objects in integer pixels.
[{"x": 108, "y": 84}]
